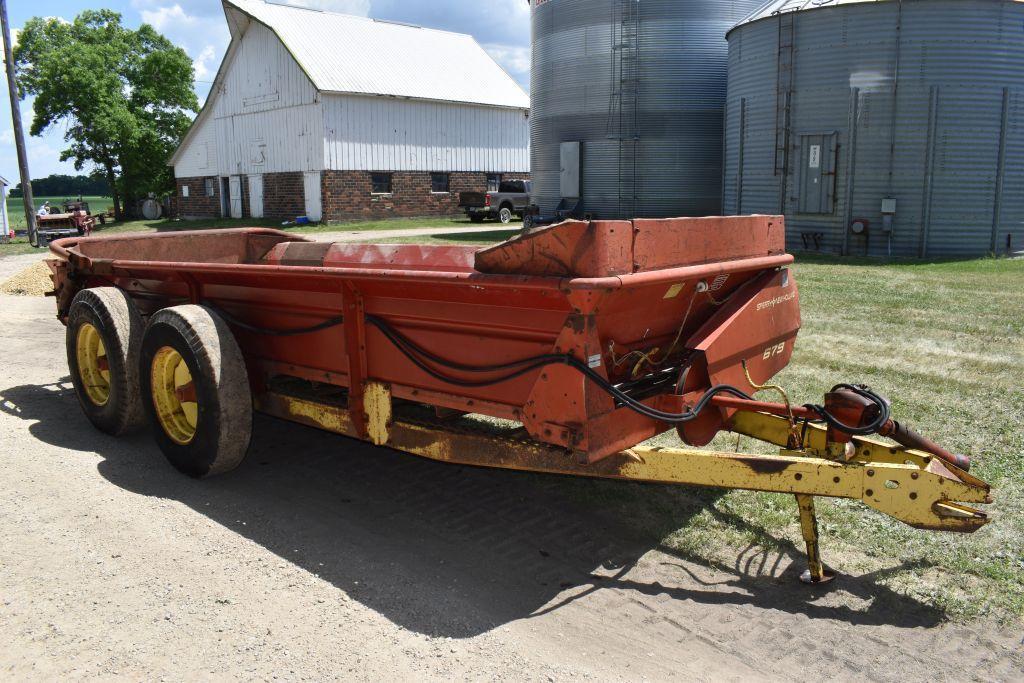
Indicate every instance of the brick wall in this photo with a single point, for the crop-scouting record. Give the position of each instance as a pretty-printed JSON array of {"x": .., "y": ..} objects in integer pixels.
[
  {"x": 347, "y": 194},
  {"x": 283, "y": 195},
  {"x": 197, "y": 204}
]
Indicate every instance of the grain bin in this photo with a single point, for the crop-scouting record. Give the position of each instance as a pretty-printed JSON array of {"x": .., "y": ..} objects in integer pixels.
[
  {"x": 627, "y": 100},
  {"x": 880, "y": 126}
]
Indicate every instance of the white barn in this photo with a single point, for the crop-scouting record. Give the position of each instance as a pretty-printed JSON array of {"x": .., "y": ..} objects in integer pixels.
[{"x": 336, "y": 117}]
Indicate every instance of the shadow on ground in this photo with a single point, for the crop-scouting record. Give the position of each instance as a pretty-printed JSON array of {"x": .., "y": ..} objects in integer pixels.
[
  {"x": 498, "y": 235},
  {"x": 448, "y": 550}
]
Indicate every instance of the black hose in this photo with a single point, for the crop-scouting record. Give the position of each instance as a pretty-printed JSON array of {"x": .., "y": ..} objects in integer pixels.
[
  {"x": 873, "y": 427},
  {"x": 416, "y": 354},
  {"x": 326, "y": 324}
]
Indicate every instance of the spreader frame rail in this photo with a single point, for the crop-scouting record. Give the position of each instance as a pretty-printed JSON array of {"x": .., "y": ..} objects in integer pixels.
[{"x": 911, "y": 486}]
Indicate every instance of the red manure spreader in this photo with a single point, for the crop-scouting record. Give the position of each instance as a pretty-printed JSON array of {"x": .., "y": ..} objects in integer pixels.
[{"x": 560, "y": 351}]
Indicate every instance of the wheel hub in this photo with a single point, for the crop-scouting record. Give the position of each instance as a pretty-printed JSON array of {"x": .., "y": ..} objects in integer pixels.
[
  {"x": 174, "y": 397},
  {"x": 93, "y": 368}
]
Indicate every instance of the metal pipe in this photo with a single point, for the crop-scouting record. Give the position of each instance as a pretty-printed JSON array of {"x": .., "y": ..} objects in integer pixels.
[
  {"x": 997, "y": 207},
  {"x": 895, "y": 95},
  {"x": 929, "y": 169},
  {"x": 851, "y": 165},
  {"x": 740, "y": 160},
  {"x": 905, "y": 436},
  {"x": 19, "y": 132}
]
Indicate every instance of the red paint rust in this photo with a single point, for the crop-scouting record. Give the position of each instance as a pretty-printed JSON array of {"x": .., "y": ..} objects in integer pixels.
[{"x": 590, "y": 298}]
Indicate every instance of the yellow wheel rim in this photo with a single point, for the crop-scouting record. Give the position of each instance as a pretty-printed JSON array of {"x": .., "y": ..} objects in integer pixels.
[
  {"x": 93, "y": 369},
  {"x": 174, "y": 395}
]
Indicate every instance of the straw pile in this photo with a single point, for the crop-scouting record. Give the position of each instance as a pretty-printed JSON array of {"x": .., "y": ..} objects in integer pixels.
[{"x": 33, "y": 281}]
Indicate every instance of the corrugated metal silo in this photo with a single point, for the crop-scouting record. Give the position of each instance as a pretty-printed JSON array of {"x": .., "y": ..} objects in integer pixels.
[
  {"x": 641, "y": 85},
  {"x": 904, "y": 118}
]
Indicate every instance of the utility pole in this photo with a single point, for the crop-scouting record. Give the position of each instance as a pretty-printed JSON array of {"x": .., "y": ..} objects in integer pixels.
[{"x": 19, "y": 132}]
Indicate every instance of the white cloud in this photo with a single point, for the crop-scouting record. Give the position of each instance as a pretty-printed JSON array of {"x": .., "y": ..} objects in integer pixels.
[
  {"x": 166, "y": 16},
  {"x": 515, "y": 59},
  {"x": 204, "y": 64},
  {"x": 357, "y": 7}
]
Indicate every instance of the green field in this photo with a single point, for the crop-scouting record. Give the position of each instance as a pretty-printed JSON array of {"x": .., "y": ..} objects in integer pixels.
[{"x": 16, "y": 209}]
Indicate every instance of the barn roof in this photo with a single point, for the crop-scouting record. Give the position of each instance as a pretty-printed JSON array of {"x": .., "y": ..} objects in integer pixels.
[{"x": 347, "y": 54}]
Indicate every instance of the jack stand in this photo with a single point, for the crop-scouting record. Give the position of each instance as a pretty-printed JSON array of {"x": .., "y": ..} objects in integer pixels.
[{"x": 816, "y": 572}]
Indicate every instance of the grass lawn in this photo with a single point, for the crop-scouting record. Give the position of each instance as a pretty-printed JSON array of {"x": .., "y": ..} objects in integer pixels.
[
  {"x": 17, "y": 246},
  {"x": 945, "y": 342}
]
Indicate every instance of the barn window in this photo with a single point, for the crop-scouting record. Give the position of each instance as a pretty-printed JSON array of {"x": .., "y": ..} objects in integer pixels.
[
  {"x": 184, "y": 190},
  {"x": 381, "y": 183},
  {"x": 493, "y": 182},
  {"x": 439, "y": 182},
  {"x": 211, "y": 188}
]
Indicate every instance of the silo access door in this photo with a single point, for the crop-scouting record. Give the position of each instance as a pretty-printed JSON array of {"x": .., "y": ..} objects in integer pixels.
[{"x": 817, "y": 173}]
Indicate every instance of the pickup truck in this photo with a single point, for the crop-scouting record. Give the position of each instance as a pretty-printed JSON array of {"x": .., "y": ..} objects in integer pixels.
[{"x": 511, "y": 199}]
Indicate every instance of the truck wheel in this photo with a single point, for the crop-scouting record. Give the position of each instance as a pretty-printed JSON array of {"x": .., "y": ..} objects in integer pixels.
[
  {"x": 104, "y": 334},
  {"x": 196, "y": 390},
  {"x": 505, "y": 214},
  {"x": 477, "y": 218}
]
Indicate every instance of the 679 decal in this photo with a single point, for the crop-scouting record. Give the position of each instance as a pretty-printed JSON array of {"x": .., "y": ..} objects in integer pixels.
[{"x": 773, "y": 351}]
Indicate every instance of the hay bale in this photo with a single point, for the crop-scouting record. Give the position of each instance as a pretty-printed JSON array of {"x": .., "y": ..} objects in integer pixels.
[{"x": 32, "y": 281}]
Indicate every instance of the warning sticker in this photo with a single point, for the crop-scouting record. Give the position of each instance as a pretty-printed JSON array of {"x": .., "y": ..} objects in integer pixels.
[
  {"x": 814, "y": 160},
  {"x": 673, "y": 291}
]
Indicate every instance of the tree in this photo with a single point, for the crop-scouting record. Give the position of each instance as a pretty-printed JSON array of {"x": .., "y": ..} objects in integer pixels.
[
  {"x": 59, "y": 185},
  {"x": 125, "y": 97}
]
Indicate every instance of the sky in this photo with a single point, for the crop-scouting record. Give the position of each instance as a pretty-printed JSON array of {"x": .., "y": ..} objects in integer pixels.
[{"x": 198, "y": 26}]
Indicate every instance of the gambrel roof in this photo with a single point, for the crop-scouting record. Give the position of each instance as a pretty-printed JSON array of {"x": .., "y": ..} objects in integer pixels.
[{"x": 356, "y": 55}]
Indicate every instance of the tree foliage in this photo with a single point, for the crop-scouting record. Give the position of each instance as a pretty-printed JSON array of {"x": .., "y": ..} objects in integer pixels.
[
  {"x": 123, "y": 95},
  {"x": 61, "y": 185}
]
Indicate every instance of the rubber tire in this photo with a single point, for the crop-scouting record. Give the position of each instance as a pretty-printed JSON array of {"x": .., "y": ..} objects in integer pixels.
[
  {"x": 477, "y": 218},
  {"x": 115, "y": 317},
  {"x": 505, "y": 215},
  {"x": 224, "y": 424}
]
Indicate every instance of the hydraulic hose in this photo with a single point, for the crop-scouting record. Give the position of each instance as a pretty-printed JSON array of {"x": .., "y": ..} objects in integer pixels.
[
  {"x": 426, "y": 361},
  {"x": 877, "y": 423}
]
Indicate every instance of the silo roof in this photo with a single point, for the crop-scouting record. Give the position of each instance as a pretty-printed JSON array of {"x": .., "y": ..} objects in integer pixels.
[
  {"x": 777, "y": 7},
  {"x": 773, "y": 8}
]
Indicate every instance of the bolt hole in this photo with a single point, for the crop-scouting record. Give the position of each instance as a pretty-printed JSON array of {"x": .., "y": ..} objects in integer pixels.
[
  {"x": 871, "y": 473},
  {"x": 913, "y": 496},
  {"x": 892, "y": 484},
  {"x": 867, "y": 452},
  {"x": 799, "y": 477},
  {"x": 835, "y": 479},
  {"x": 914, "y": 475},
  {"x": 869, "y": 493}
]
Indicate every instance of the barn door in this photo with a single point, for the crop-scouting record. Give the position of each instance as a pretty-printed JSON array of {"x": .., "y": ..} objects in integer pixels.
[
  {"x": 256, "y": 196},
  {"x": 311, "y": 188},
  {"x": 235, "y": 195}
]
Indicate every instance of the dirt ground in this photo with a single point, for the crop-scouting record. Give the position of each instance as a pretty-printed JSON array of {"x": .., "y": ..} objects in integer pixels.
[{"x": 323, "y": 558}]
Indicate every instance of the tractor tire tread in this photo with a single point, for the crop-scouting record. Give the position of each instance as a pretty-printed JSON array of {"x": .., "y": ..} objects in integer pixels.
[{"x": 113, "y": 313}]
